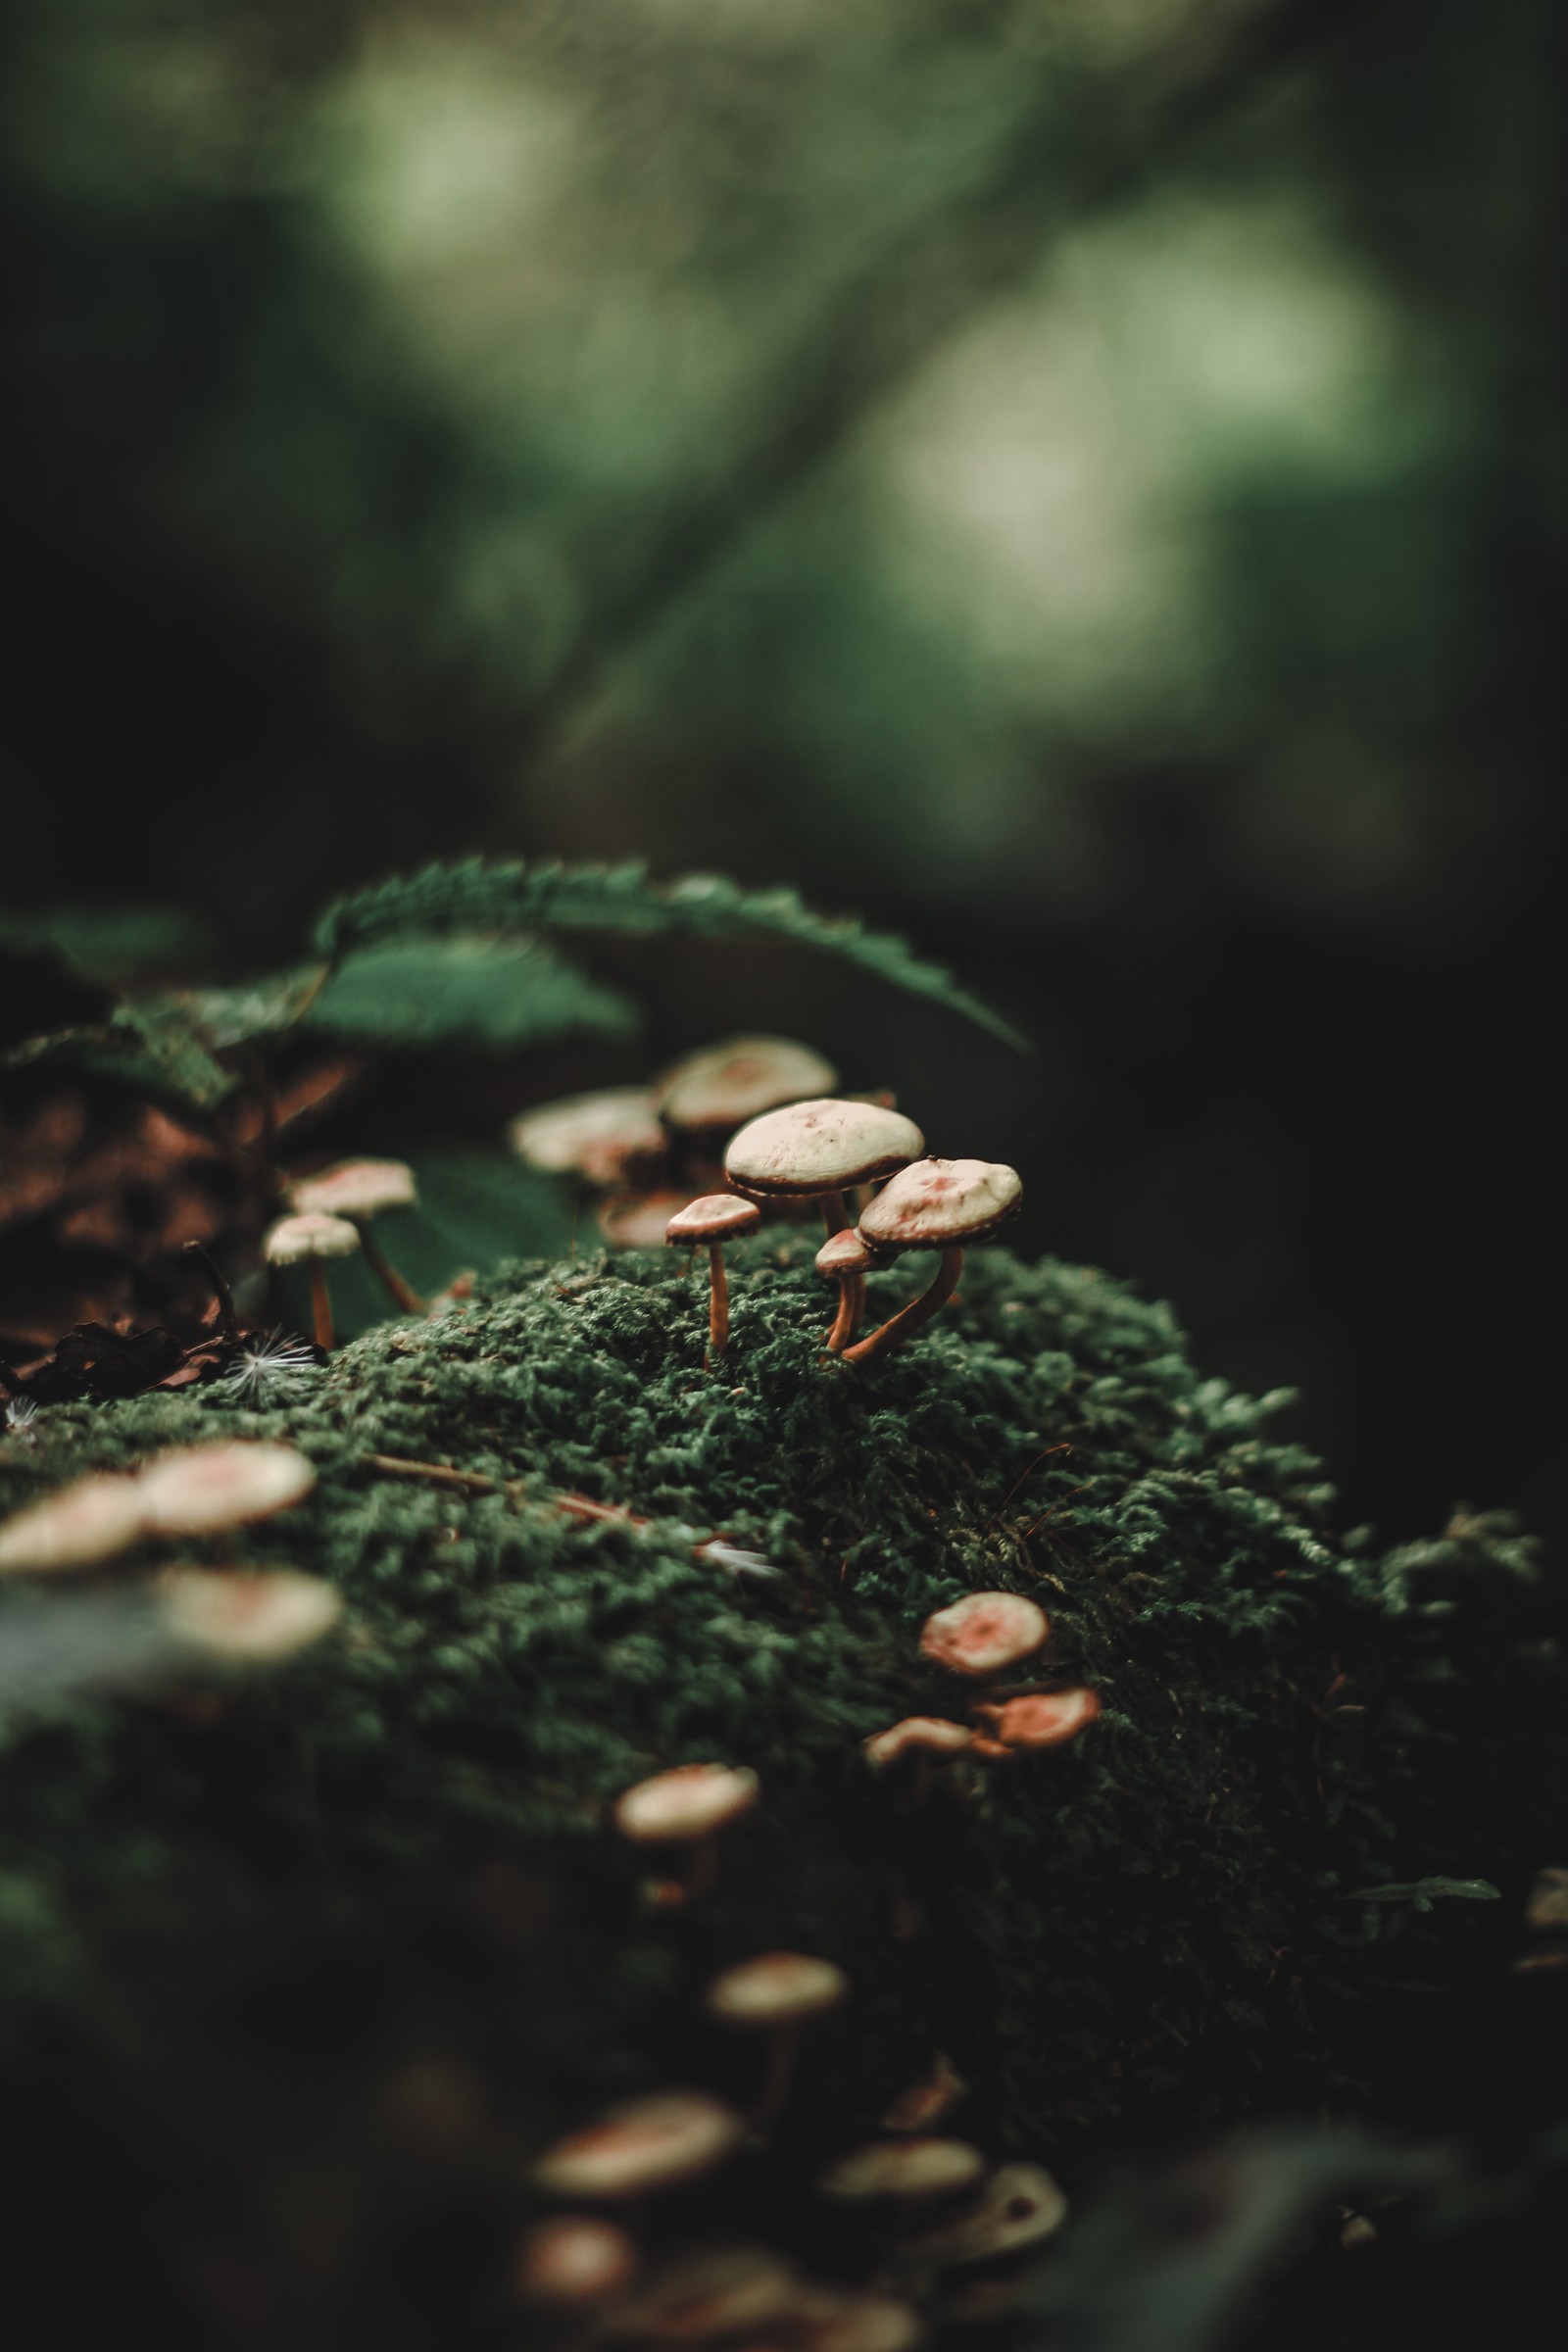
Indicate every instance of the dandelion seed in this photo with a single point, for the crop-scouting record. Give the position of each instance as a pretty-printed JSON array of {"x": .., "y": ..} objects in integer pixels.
[
  {"x": 274, "y": 1370},
  {"x": 20, "y": 1416}
]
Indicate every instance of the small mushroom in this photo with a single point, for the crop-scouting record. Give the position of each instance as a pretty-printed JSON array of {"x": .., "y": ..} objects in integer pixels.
[
  {"x": 609, "y": 1138},
  {"x": 846, "y": 1258},
  {"x": 926, "y": 2102},
  {"x": 687, "y": 1806},
  {"x": 88, "y": 1521},
  {"x": 817, "y": 1150},
  {"x": 919, "y": 1734},
  {"x": 309, "y": 1240},
  {"x": 574, "y": 2258},
  {"x": 360, "y": 1189},
  {"x": 640, "y": 1220},
  {"x": 984, "y": 1633},
  {"x": 718, "y": 1089},
  {"x": 935, "y": 1204},
  {"x": 715, "y": 1219},
  {"x": 776, "y": 1992},
  {"x": 1020, "y": 2205},
  {"x": 904, "y": 2168},
  {"x": 1547, "y": 1905},
  {"x": 1037, "y": 1719},
  {"x": 725, "y": 2293},
  {"x": 248, "y": 1618},
  {"x": 199, "y": 1489},
  {"x": 649, "y": 2145},
  {"x": 851, "y": 2320}
]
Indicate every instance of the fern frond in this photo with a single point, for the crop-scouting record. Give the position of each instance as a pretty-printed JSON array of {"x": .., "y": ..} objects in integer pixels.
[
  {"x": 417, "y": 989},
  {"x": 151, "y": 1049},
  {"x": 510, "y": 897}
]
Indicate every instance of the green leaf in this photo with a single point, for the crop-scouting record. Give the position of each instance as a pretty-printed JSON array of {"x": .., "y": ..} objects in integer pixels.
[
  {"x": 422, "y": 987},
  {"x": 251, "y": 1009},
  {"x": 510, "y": 897},
  {"x": 151, "y": 1049},
  {"x": 113, "y": 943},
  {"x": 1421, "y": 1893}
]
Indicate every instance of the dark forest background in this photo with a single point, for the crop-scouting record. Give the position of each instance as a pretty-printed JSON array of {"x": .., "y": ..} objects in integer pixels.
[{"x": 1080, "y": 481}]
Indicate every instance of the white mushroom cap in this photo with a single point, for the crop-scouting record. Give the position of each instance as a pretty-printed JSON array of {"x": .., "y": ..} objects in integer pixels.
[
  {"x": 984, "y": 1632},
  {"x": 651, "y": 2143},
  {"x": 932, "y": 1734},
  {"x": 576, "y": 2258},
  {"x": 775, "y": 1988},
  {"x": 243, "y": 1616},
  {"x": 355, "y": 1188},
  {"x": 811, "y": 1149},
  {"x": 1020, "y": 2205},
  {"x": 939, "y": 1203},
  {"x": 1042, "y": 1718},
  {"x": 640, "y": 1220},
  {"x": 709, "y": 2296},
  {"x": 195, "y": 1489},
  {"x": 725, "y": 1084},
  {"x": 844, "y": 1253},
  {"x": 595, "y": 1136},
  {"x": 81, "y": 1523},
  {"x": 690, "y": 1801},
  {"x": 292, "y": 1240},
  {"x": 713, "y": 1217},
  {"x": 903, "y": 2168}
]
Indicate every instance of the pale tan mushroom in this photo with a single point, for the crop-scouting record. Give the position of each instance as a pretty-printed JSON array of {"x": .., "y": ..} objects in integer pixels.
[
  {"x": 360, "y": 1189},
  {"x": 919, "y": 1734},
  {"x": 721, "y": 1087},
  {"x": 640, "y": 1220},
  {"x": 574, "y": 2258},
  {"x": 91, "y": 1520},
  {"x": 712, "y": 1220},
  {"x": 1037, "y": 1719},
  {"x": 1020, "y": 2205},
  {"x": 651, "y": 2143},
  {"x": 846, "y": 1258},
  {"x": 851, "y": 2320},
  {"x": 1547, "y": 1905},
  {"x": 984, "y": 1633},
  {"x": 248, "y": 1618},
  {"x": 776, "y": 1992},
  {"x": 725, "y": 2292},
  {"x": 817, "y": 1150},
  {"x": 310, "y": 1242},
  {"x": 687, "y": 1806},
  {"x": 608, "y": 1138},
  {"x": 904, "y": 2168},
  {"x": 935, "y": 1204},
  {"x": 200, "y": 1490}
]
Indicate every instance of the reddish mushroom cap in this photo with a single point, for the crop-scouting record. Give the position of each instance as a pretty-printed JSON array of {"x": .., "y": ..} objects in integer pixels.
[
  {"x": 713, "y": 1217},
  {"x": 725, "y": 1085},
  {"x": 690, "y": 1801},
  {"x": 195, "y": 1489},
  {"x": 846, "y": 1253},
  {"x": 930, "y": 1733},
  {"x": 576, "y": 2258},
  {"x": 984, "y": 1633},
  {"x": 355, "y": 1188},
  {"x": 1042, "y": 1718},
  {"x": 651, "y": 2143},
  {"x": 941, "y": 1204}
]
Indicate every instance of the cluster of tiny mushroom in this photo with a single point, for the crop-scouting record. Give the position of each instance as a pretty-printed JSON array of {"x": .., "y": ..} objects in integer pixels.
[
  {"x": 329, "y": 1216},
  {"x": 589, "y": 2262},
  {"x": 979, "y": 1637}
]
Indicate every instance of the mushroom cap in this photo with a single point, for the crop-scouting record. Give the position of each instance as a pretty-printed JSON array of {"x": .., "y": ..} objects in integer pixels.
[
  {"x": 940, "y": 1203},
  {"x": 651, "y": 2143},
  {"x": 713, "y": 1217},
  {"x": 1042, "y": 1718},
  {"x": 88, "y": 1521},
  {"x": 984, "y": 1632},
  {"x": 1020, "y": 2205},
  {"x": 713, "y": 2295},
  {"x": 845, "y": 1253},
  {"x": 903, "y": 2168},
  {"x": 257, "y": 1616},
  {"x": 931, "y": 1732},
  {"x": 774, "y": 1988},
  {"x": 574, "y": 2258},
  {"x": 293, "y": 1239},
  {"x": 690, "y": 1801},
  {"x": 193, "y": 1490},
  {"x": 640, "y": 1220},
  {"x": 1547, "y": 1905},
  {"x": 723, "y": 1085},
  {"x": 926, "y": 2101},
  {"x": 809, "y": 1148},
  {"x": 355, "y": 1188},
  {"x": 595, "y": 1136},
  {"x": 862, "y": 2323}
]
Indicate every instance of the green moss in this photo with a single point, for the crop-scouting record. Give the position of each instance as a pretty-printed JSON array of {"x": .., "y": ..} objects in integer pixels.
[{"x": 399, "y": 1845}]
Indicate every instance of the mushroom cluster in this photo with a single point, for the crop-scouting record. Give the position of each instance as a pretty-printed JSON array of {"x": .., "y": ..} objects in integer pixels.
[{"x": 979, "y": 1637}]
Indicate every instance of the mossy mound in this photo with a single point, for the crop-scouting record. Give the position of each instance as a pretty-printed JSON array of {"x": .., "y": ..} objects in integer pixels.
[{"x": 360, "y": 1933}]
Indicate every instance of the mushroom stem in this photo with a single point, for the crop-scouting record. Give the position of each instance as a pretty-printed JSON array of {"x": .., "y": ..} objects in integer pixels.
[
  {"x": 896, "y": 1329},
  {"x": 782, "y": 2053},
  {"x": 852, "y": 1306},
  {"x": 402, "y": 1293},
  {"x": 320, "y": 1305},
  {"x": 719, "y": 1301},
  {"x": 835, "y": 1217}
]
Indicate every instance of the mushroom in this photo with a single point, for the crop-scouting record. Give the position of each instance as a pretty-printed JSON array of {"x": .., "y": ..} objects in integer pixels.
[
  {"x": 776, "y": 1991},
  {"x": 815, "y": 1150},
  {"x": 686, "y": 1806},
  {"x": 311, "y": 1240},
  {"x": 903, "y": 2168},
  {"x": 574, "y": 2258},
  {"x": 928, "y": 1735},
  {"x": 716, "y": 1090},
  {"x": 935, "y": 1204},
  {"x": 846, "y": 1258},
  {"x": 651, "y": 2143},
  {"x": 925, "y": 2102},
  {"x": 1547, "y": 1905},
  {"x": 984, "y": 1633},
  {"x": 715, "y": 1218},
  {"x": 1020, "y": 2205},
  {"x": 198, "y": 1489},
  {"x": 88, "y": 1521},
  {"x": 249, "y": 1618},
  {"x": 607, "y": 1137},
  {"x": 850, "y": 2319},
  {"x": 725, "y": 2292},
  {"x": 359, "y": 1189},
  {"x": 1037, "y": 1719},
  {"x": 640, "y": 1220}
]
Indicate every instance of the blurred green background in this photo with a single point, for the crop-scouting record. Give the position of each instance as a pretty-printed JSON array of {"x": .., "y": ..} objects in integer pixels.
[{"x": 1080, "y": 481}]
